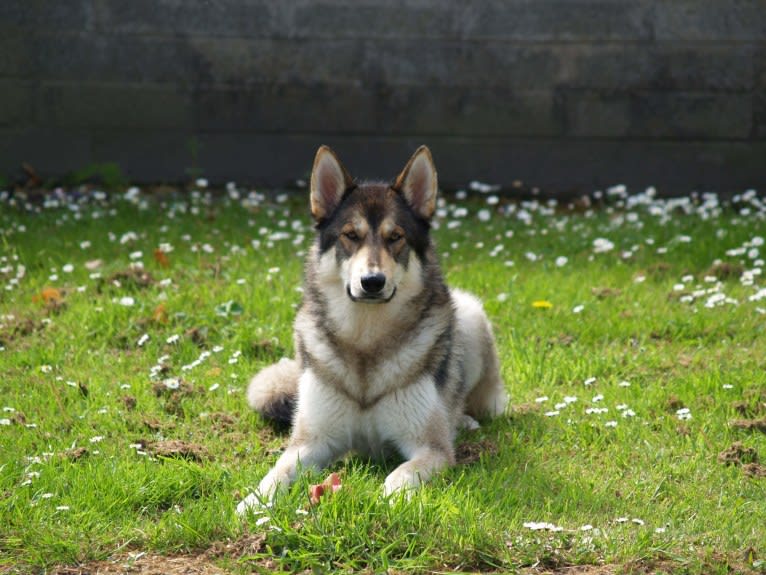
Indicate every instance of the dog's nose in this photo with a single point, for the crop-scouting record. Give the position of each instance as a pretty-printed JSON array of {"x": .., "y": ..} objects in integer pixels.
[{"x": 373, "y": 283}]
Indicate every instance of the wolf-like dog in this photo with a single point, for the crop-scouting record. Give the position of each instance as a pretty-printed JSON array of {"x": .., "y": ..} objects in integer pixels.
[{"x": 386, "y": 354}]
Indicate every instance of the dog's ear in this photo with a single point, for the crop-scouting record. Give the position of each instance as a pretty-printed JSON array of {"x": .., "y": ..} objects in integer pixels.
[
  {"x": 417, "y": 183},
  {"x": 329, "y": 181}
]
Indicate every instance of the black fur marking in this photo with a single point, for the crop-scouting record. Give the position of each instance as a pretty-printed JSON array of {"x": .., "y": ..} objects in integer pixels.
[
  {"x": 442, "y": 370},
  {"x": 280, "y": 412},
  {"x": 461, "y": 381},
  {"x": 303, "y": 353},
  {"x": 374, "y": 202}
]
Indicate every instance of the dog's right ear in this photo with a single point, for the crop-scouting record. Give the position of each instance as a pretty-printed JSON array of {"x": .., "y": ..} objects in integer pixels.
[{"x": 329, "y": 181}]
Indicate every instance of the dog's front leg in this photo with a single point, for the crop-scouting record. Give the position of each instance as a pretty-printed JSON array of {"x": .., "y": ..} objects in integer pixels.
[
  {"x": 310, "y": 455},
  {"x": 410, "y": 474},
  {"x": 424, "y": 438},
  {"x": 318, "y": 438}
]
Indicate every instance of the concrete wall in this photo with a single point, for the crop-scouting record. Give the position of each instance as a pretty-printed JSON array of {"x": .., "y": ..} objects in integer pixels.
[{"x": 568, "y": 95}]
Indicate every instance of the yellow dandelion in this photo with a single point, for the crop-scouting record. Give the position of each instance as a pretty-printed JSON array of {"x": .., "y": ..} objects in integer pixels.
[{"x": 542, "y": 304}]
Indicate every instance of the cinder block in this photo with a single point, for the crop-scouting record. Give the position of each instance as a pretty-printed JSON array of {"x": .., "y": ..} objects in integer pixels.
[
  {"x": 468, "y": 112},
  {"x": 710, "y": 20},
  {"x": 17, "y": 55},
  {"x": 97, "y": 106},
  {"x": 709, "y": 67},
  {"x": 101, "y": 58},
  {"x": 706, "y": 67},
  {"x": 148, "y": 155},
  {"x": 595, "y": 114},
  {"x": 16, "y": 103},
  {"x": 691, "y": 116},
  {"x": 455, "y": 63},
  {"x": 557, "y": 20},
  {"x": 341, "y": 19},
  {"x": 43, "y": 15},
  {"x": 51, "y": 152},
  {"x": 219, "y": 18},
  {"x": 759, "y": 116},
  {"x": 386, "y": 109},
  {"x": 322, "y": 108},
  {"x": 244, "y": 62}
]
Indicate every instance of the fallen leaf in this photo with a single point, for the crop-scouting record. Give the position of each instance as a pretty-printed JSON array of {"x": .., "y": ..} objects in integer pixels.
[
  {"x": 160, "y": 314},
  {"x": 161, "y": 258},
  {"x": 329, "y": 485},
  {"x": 48, "y": 295}
]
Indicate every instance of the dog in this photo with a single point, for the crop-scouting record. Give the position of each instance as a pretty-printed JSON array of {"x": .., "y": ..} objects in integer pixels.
[{"x": 386, "y": 355}]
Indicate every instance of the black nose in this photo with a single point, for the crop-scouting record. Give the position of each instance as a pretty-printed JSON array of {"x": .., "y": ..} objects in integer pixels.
[{"x": 373, "y": 283}]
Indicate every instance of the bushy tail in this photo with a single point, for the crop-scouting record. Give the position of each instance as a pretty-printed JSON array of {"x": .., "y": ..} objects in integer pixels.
[{"x": 274, "y": 391}]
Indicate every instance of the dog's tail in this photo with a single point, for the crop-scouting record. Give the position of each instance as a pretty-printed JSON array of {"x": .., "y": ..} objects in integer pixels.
[{"x": 274, "y": 391}]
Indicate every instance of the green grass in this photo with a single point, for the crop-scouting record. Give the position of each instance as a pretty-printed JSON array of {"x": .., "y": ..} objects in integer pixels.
[{"x": 73, "y": 375}]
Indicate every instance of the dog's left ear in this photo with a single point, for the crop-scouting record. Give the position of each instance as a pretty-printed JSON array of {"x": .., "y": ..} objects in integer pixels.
[
  {"x": 329, "y": 181},
  {"x": 418, "y": 184}
]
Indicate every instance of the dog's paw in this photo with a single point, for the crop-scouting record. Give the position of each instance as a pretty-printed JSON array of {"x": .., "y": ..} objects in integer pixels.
[
  {"x": 250, "y": 504},
  {"x": 469, "y": 423},
  {"x": 401, "y": 480}
]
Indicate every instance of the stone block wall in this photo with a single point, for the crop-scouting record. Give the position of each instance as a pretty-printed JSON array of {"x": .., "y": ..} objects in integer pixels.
[{"x": 565, "y": 95}]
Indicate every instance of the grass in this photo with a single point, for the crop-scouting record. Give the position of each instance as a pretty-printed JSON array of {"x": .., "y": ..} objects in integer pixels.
[{"x": 102, "y": 365}]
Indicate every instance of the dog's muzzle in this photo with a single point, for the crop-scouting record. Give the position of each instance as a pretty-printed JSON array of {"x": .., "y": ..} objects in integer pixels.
[{"x": 372, "y": 289}]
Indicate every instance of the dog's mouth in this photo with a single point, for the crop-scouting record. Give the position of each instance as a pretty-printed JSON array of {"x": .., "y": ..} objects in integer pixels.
[{"x": 370, "y": 298}]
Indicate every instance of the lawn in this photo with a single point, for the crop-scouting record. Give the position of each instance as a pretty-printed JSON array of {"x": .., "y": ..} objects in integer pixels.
[{"x": 630, "y": 331}]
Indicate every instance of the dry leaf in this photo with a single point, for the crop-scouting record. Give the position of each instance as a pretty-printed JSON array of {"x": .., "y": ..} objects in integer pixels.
[
  {"x": 48, "y": 295},
  {"x": 161, "y": 258},
  {"x": 329, "y": 485},
  {"x": 160, "y": 314}
]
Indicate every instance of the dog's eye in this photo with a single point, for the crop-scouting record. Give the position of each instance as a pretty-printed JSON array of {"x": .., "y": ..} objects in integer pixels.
[
  {"x": 395, "y": 237},
  {"x": 351, "y": 235}
]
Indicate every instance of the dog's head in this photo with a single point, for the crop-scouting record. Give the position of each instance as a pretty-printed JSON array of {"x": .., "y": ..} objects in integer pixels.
[{"x": 373, "y": 235}]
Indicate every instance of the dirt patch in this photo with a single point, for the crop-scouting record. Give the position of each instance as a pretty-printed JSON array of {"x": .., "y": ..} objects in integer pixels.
[
  {"x": 155, "y": 424},
  {"x": 19, "y": 328},
  {"x": 658, "y": 270},
  {"x": 177, "y": 449},
  {"x": 247, "y": 545},
  {"x": 145, "y": 564},
  {"x": 265, "y": 350},
  {"x": 129, "y": 402},
  {"x": 244, "y": 549},
  {"x": 525, "y": 408},
  {"x": 750, "y": 424},
  {"x": 725, "y": 271},
  {"x": 738, "y": 454},
  {"x": 562, "y": 339},
  {"x": 470, "y": 451},
  {"x": 753, "y": 404},
  {"x": 75, "y": 454},
  {"x": 674, "y": 403},
  {"x": 173, "y": 390},
  {"x": 578, "y": 570},
  {"x": 222, "y": 421},
  {"x": 605, "y": 292},
  {"x": 129, "y": 278},
  {"x": 754, "y": 470},
  {"x": 198, "y": 335}
]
